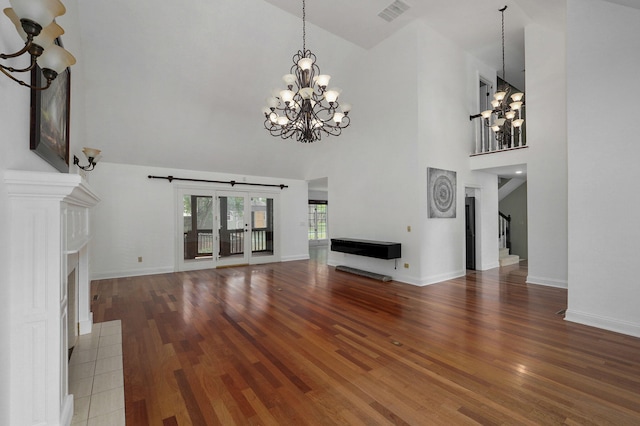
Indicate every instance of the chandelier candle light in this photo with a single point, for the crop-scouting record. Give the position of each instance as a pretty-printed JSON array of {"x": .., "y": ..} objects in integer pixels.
[
  {"x": 306, "y": 109},
  {"x": 92, "y": 155},
  {"x": 505, "y": 119},
  {"x": 35, "y": 22}
]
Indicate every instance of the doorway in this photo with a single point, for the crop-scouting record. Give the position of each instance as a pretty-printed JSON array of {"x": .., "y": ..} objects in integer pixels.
[
  {"x": 246, "y": 228},
  {"x": 318, "y": 223},
  {"x": 318, "y": 219}
]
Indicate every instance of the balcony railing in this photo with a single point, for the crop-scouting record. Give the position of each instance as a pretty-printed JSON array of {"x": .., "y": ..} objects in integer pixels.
[
  {"x": 486, "y": 141},
  {"x": 231, "y": 242},
  {"x": 504, "y": 230}
]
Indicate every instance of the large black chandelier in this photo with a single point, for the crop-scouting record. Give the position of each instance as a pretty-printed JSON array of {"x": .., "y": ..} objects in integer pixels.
[
  {"x": 306, "y": 110},
  {"x": 505, "y": 118}
]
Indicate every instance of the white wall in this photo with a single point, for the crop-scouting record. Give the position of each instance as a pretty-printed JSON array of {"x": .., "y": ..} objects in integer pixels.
[
  {"x": 378, "y": 169},
  {"x": 373, "y": 169},
  {"x": 16, "y": 155},
  {"x": 73, "y": 43},
  {"x": 485, "y": 185},
  {"x": 448, "y": 79},
  {"x": 4, "y": 288},
  {"x": 602, "y": 70},
  {"x": 547, "y": 157},
  {"x": 318, "y": 195},
  {"x": 137, "y": 217},
  {"x": 486, "y": 214}
]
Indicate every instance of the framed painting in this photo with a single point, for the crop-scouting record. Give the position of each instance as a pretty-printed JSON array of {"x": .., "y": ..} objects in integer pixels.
[
  {"x": 50, "y": 112},
  {"x": 441, "y": 193}
]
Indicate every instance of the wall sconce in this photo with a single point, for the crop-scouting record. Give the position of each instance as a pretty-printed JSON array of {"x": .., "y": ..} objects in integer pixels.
[
  {"x": 91, "y": 154},
  {"x": 34, "y": 21}
]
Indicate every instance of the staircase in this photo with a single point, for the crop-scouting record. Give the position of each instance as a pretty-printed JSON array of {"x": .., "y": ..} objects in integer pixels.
[
  {"x": 506, "y": 186},
  {"x": 504, "y": 238},
  {"x": 507, "y": 259}
]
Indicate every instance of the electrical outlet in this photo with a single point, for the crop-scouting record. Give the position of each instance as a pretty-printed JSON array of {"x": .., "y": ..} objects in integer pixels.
[
  {"x": 139, "y": 259},
  {"x": 409, "y": 228},
  {"x": 406, "y": 266}
]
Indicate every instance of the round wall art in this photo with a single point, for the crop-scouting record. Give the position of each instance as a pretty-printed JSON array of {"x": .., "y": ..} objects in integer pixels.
[{"x": 441, "y": 193}]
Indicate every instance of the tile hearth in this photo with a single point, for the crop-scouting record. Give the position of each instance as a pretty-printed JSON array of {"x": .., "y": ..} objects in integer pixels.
[{"x": 96, "y": 377}]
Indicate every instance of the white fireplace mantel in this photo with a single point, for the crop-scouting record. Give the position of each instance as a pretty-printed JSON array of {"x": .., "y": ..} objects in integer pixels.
[{"x": 49, "y": 218}]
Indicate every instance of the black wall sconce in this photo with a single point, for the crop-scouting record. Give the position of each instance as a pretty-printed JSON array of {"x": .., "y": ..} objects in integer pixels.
[{"x": 91, "y": 154}]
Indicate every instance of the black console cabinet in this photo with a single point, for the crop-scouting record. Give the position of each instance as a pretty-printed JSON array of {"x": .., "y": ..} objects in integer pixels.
[{"x": 377, "y": 249}]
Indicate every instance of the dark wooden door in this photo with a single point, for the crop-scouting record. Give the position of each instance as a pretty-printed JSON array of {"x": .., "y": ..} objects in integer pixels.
[{"x": 470, "y": 230}]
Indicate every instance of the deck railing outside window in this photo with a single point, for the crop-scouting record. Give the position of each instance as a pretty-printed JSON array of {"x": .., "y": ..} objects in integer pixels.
[{"x": 233, "y": 242}]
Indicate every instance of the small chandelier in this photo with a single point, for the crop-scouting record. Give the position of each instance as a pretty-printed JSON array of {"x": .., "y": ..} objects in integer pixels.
[
  {"x": 306, "y": 109},
  {"x": 34, "y": 20},
  {"x": 505, "y": 119}
]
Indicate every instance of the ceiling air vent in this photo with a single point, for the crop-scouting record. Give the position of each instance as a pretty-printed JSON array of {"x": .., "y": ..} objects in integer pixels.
[{"x": 394, "y": 10}]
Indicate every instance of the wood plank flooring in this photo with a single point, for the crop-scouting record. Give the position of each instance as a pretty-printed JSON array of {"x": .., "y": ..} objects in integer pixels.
[{"x": 299, "y": 343}]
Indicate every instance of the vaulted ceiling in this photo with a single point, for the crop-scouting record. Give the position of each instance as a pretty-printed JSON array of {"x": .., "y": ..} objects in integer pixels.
[{"x": 182, "y": 84}]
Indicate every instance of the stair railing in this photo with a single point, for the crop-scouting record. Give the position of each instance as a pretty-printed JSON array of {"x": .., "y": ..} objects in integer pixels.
[{"x": 504, "y": 230}]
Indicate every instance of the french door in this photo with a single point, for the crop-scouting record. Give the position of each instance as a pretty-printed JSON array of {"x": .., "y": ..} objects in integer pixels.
[
  {"x": 225, "y": 228},
  {"x": 317, "y": 223}
]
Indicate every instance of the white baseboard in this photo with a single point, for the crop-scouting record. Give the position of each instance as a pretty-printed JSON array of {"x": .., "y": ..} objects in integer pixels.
[
  {"x": 394, "y": 276},
  {"x": 550, "y": 282},
  {"x": 408, "y": 280},
  {"x": 606, "y": 323},
  {"x": 132, "y": 273},
  {"x": 420, "y": 282},
  {"x": 166, "y": 270},
  {"x": 442, "y": 277},
  {"x": 486, "y": 267},
  {"x": 294, "y": 257}
]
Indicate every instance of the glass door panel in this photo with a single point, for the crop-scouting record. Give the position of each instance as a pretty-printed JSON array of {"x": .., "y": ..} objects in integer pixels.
[
  {"x": 232, "y": 228},
  {"x": 317, "y": 223},
  {"x": 262, "y": 226},
  {"x": 197, "y": 227},
  {"x": 195, "y": 242}
]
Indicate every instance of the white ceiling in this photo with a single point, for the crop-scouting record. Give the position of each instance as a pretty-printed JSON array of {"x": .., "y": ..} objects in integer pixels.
[
  {"x": 181, "y": 85},
  {"x": 475, "y": 25}
]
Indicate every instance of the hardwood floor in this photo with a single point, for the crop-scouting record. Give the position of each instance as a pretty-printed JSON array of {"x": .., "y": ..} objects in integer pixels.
[{"x": 299, "y": 343}]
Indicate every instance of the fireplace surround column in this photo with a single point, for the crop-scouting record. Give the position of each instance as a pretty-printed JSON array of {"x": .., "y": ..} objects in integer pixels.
[{"x": 49, "y": 217}]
